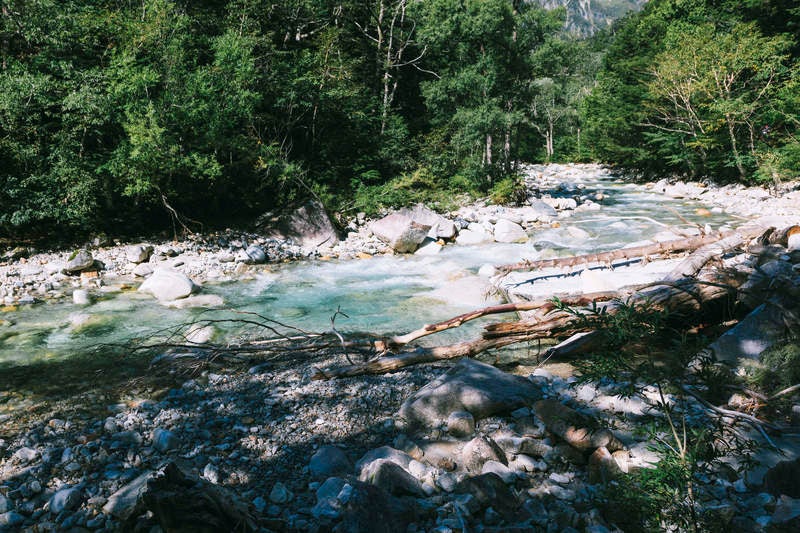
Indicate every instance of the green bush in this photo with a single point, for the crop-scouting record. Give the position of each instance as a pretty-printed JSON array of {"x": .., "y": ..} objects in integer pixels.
[{"x": 509, "y": 190}]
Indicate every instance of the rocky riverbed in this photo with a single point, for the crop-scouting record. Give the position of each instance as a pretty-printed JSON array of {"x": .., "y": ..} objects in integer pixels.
[{"x": 266, "y": 448}]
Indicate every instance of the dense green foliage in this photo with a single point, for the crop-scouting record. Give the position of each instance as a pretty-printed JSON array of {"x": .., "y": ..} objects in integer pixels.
[
  {"x": 112, "y": 111},
  {"x": 116, "y": 115},
  {"x": 701, "y": 88}
]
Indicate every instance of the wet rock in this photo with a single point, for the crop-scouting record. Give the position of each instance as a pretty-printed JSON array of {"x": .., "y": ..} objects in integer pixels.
[
  {"x": 138, "y": 253},
  {"x": 78, "y": 262},
  {"x": 478, "y": 451},
  {"x": 471, "y": 386},
  {"x": 784, "y": 478},
  {"x": 400, "y": 232},
  {"x": 66, "y": 499},
  {"x": 329, "y": 461},
  {"x": 80, "y": 297},
  {"x": 461, "y": 424},
  {"x": 167, "y": 284},
  {"x": 204, "y": 301},
  {"x": 391, "y": 477},
  {"x": 507, "y": 231}
]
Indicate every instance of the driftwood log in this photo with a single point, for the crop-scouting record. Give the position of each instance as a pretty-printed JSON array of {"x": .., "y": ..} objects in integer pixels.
[{"x": 688, "y": 292}]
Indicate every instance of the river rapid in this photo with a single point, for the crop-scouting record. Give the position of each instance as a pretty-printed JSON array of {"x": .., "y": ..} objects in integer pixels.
[{"x": 384, "y": 293}]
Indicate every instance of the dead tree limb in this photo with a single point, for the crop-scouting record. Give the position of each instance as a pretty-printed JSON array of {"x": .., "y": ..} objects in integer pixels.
[{"x": 627, "y": 254}]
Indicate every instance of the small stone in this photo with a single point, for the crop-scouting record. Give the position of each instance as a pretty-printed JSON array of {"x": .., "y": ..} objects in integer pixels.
[
  {"x": 138, "y": 253},
  {"x": 211, "y": 473},
  {"x": 5, "y": 505},
  {"x": 506, "y": 474},
  {"x": 65, "y": 499},
  {"x": 26, "y": 455},
  {"x": 260, "y": 504},
  {"x": 480, "y": 450},
  {"x": 280, "y": 494},
  {"x": 256, "y": 254},
  {"x": 460, "y": 424},
  {"x": 447, "y": 481},
  {"x": 165, "y": 440}
]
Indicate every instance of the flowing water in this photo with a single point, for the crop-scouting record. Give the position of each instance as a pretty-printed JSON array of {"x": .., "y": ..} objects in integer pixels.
[{"x": 382, "y": 294}]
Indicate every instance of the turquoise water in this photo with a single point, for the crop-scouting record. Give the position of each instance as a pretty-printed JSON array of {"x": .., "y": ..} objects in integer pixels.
[{"x": 383, "y": 294}]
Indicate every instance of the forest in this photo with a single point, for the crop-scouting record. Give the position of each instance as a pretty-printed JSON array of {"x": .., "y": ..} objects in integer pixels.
[{"x": 116, "y": 113}]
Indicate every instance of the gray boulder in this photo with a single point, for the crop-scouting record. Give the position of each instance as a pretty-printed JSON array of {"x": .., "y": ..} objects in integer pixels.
[
  {"x": 78, "y": 262},
  {"x": 167, "y": 284},
  {"x": 542, "y": 211},
  {"x": 142, "y": 270},
  {"x": 440, "y": 227},
  {"x": 400, "y": 232},
  {"x": 256, "y": 254},
  {"x": 65, "y": 499},
  {"x": 471, "y": 386},
  {"x": 384, "y": 452},
  {"x": 478, "y": 451},
  {"x": 329, "y": 461},
  {"x": 309, "y": 225},
  {"x": 747, "y": 340},
  {"x": 138, "y": 253},
  {"x": 391, "y": 477}
]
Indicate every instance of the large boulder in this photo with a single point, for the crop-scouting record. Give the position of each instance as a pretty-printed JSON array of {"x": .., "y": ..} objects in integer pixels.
[
  {"x": 138, "y": 253},
  {"x": 400, "y": 232},
  {"x": 471, "y": 386},
  {"x": 508, "y": 231},
  {"x": 79, "y": 261},
  {"x": 764, "y": 327},
  {"x": 309, "y": 225},
  {"x": 441, "y": 228},
  {"x": 167, "y": 284}
]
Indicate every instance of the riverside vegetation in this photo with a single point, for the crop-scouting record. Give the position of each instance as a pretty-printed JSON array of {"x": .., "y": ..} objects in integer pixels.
[
  {"x": 164, "y": 114},
  {"x": 117, "y": 116}
]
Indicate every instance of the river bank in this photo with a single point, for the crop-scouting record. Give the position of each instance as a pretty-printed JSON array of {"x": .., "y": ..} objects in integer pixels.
[
  {"x": 555, "y": 195},
  {"x": 294, "y": 454}
]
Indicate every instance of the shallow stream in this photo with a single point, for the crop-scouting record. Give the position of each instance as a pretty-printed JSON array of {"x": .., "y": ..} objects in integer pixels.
[{"x": 382, "y": 294}]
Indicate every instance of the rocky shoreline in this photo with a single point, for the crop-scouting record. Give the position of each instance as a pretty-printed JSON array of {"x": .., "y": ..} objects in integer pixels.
[
  {"x": 268, "y": 449},
  {"x": 27, "y": 277}
]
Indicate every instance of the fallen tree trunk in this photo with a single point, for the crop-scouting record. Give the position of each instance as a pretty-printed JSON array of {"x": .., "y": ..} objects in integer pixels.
[
  {"x": 627, "y": 254},
  {"x": 688, "y": 297}
]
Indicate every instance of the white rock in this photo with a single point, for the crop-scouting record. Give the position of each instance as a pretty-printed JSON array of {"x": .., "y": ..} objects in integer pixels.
[
  {"x": 429, "y": 247},
  {"x": 508, "y": 231},
  {"x": 470, "y": 236},
  {"x": 80, "y": 297},
  {"x": 167, "y": 284}
]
